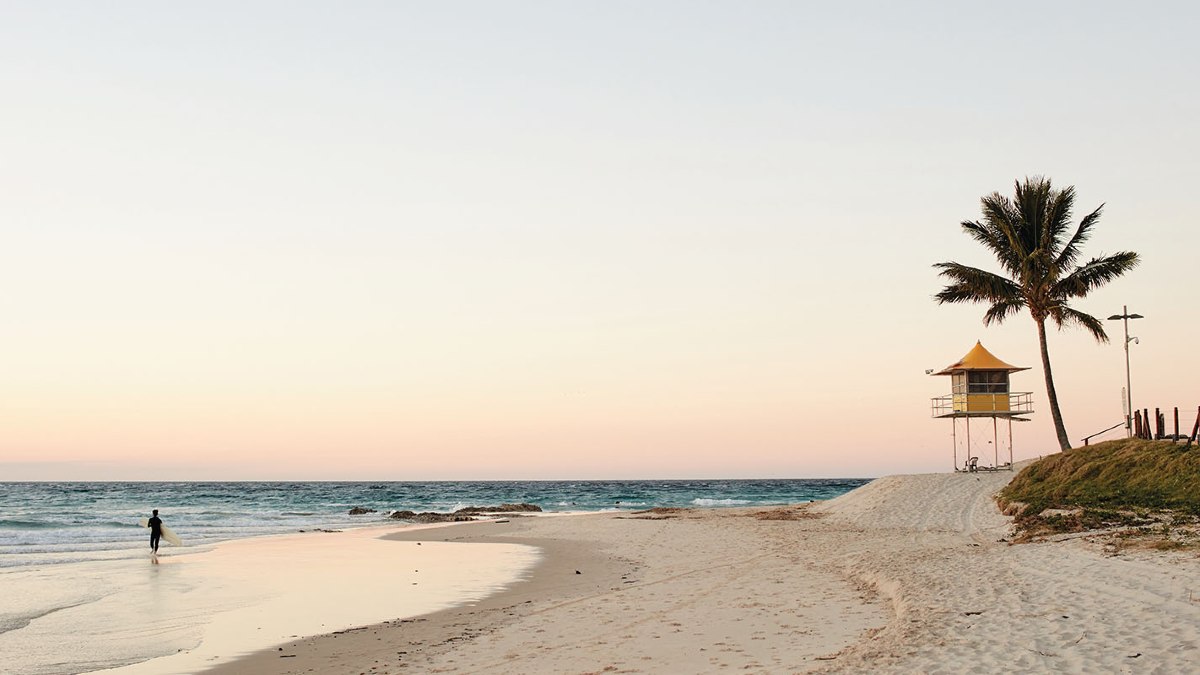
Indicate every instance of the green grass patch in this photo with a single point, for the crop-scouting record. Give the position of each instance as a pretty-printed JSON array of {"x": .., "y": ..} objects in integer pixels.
[{"x": 1126, "y": 475}]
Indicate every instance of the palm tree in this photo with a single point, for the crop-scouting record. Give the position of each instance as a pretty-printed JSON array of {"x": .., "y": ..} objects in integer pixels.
[{"x": 1028, "y": 234}]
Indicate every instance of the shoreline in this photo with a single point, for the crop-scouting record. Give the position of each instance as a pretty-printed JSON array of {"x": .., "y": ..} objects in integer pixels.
[
  {"x": 54, "y": 523},
  {"x": 436, "y": 632}
]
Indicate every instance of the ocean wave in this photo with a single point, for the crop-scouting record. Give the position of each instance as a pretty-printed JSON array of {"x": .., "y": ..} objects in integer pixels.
[
  {"x": 15, "y": 524},
  {"x": 27, "y": 525},
  {"x": 719, "y": 502},
  {"x": 114, "y": 523}
]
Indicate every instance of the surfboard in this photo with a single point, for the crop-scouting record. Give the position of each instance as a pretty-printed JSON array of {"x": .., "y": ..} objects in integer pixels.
[{"x": 168, "y": 534}]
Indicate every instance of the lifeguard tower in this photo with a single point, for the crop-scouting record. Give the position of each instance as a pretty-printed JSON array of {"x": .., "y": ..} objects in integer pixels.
[{"x": 979, "y": 391}]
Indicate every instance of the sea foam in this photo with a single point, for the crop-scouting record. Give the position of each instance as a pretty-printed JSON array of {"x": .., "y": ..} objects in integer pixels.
[{"x": 701, "y": 501}]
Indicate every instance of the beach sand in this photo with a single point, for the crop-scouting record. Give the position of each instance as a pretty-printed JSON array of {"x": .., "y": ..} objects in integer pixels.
[
  {"x": 693, "y": 591},
  {"x": 907, "y": 574}
]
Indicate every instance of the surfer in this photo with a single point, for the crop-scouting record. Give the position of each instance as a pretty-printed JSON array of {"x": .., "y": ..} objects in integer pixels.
[{"x": 155, "y": 531}]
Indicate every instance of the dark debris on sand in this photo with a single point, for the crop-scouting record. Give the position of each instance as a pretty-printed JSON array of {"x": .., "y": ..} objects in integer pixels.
[
  {"x": 788, "y": 513},
  {"x": 659, "y": 513}
]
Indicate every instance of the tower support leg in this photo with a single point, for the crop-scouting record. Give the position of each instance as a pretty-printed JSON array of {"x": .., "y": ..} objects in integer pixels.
[
  {"x": 995, "y": 444},
  {"x": 1010, "y": 448},
  {"x": 954, "y": 440},
  {"x": 968, "y": 439}
]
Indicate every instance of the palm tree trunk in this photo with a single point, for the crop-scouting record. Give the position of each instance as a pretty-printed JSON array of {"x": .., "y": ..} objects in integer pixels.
[{"x": 1051, "y": 395}]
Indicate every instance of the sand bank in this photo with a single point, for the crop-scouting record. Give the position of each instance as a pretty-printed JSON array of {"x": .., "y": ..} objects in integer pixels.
[
  {"x": 908, "y": 574},
  {"x": 964, "y": 600}
]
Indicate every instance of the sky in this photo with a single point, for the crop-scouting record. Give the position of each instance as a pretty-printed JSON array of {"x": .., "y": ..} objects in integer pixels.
[{"x": 535, "y": 240}]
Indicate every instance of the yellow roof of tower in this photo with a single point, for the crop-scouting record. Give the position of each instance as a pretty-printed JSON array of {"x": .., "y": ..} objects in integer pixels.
[{"x": 979, "y": 359}]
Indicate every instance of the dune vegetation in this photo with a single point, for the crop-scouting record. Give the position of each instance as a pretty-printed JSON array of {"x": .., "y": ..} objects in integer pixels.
[{"x": 1128, "y": 484}]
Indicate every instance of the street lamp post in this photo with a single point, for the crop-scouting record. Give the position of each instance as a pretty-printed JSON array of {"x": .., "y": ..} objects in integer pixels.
[{"x": 1125, "y": 316}]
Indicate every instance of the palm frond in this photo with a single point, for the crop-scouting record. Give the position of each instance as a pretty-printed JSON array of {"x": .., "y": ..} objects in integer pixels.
[
  {"x": 1066, "y": 315},
  {"x": 1000, "y": 311},
  {"x": 1094, "y": 274},
  {"x": 1002, "y": 215},
  {"x": 995, "y": 241},
  {"x": 1031, "y": 198},
  {"x": 971, "y": 284},
  {"x": 1058, "y": 218},
  {"x": 1070, "y": 252},
  {"x": 981, "y": 233}
]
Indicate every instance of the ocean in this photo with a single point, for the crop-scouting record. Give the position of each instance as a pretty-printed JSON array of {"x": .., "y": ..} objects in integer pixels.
[{"x": 53, "y": 523}]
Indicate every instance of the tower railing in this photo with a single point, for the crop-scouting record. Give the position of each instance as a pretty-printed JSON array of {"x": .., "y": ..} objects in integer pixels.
[{"x": 1005, "y": 404}]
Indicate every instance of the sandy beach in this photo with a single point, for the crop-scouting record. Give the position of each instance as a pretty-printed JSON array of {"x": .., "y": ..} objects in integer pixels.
[
  {"x": 690, "y": 591},
  {"x": 907, "y": 574}
]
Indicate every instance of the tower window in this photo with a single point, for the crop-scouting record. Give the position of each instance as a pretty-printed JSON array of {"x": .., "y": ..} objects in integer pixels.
[{"x": 987, "y": 382}]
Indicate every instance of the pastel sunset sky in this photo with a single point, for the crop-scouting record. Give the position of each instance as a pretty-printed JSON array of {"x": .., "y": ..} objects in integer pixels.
[{"x": 519, "y": 240}]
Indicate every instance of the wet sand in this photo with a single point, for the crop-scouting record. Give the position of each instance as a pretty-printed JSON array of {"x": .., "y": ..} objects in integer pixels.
[{"x": 193, "y": 611}]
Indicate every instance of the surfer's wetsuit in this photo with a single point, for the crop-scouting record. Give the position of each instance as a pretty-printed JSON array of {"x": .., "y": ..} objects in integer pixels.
[{"x": 155, "y": 532}]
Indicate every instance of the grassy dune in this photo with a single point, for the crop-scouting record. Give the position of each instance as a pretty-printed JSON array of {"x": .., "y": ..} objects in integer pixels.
[{"x": 1124, "y": 475}]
